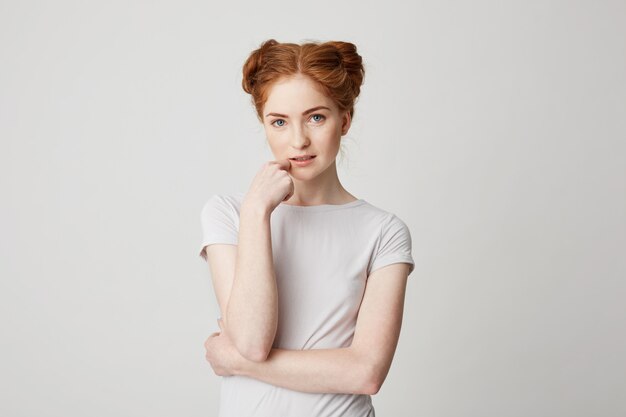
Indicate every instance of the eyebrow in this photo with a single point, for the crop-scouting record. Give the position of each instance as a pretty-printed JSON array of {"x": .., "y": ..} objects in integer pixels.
[{"x": 304, "y": 113}]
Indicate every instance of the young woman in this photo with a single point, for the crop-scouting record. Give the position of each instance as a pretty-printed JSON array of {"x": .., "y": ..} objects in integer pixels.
[{"x": 310, "y": 280}]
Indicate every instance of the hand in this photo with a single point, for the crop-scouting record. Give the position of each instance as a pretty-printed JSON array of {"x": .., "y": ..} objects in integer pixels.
[
  {"x": 221, "y": 353},
  {"x": 271, "y": 185}
]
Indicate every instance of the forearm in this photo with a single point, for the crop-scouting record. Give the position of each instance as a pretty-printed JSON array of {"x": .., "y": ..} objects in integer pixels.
[
  {"x": 252, "y": 309},
  {"x": 342, "y": 370}
]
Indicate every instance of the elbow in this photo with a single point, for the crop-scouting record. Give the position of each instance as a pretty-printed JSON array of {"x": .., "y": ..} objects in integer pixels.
[
  {"x": 254, "y": 353},
  {"x": 251, "y": 348},
  {"x": 372, "y": 381},
  {"x": 372, "y": 386}
]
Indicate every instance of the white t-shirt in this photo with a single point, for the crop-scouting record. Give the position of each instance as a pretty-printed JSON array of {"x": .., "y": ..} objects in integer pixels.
[{"x": 322, "y": 257}]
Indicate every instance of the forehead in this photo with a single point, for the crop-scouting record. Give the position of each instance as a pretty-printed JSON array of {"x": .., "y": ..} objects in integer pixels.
[{"x": 294, "y": 95}]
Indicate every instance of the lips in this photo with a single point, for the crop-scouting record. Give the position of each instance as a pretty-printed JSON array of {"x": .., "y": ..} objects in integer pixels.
[{"x": 306, "y": 157}]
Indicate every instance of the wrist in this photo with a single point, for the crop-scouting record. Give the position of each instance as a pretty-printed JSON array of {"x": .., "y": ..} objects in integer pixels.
[
  {"x": 251, "y": 208},
  {"x": 243, "y": 367}
]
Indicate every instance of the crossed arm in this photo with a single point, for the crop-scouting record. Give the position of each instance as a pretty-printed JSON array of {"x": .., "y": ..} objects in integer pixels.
[{"x": 360, "y": 368}]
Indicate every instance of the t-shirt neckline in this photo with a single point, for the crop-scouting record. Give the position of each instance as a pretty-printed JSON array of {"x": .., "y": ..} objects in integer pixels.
[
  {"x": 323, "y": 207},
  {"x": 318, "y": 207}
]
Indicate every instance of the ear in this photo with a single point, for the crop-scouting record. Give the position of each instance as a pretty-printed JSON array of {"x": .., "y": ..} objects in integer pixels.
[{"x": 345, "y": 123}]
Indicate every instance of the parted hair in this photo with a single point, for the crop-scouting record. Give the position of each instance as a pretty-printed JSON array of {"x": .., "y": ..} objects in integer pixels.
[{"x": 334, "y": 65}]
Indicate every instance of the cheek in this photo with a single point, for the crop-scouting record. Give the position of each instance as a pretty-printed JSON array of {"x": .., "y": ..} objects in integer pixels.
[
  {"x": 276, "y": 143},
  {"x": 329, "y": 135}
]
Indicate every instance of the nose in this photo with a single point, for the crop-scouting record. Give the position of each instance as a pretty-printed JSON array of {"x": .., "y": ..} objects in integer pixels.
[{"x": 299, "y": 138}]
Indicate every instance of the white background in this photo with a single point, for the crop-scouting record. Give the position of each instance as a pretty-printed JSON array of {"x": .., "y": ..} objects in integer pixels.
[{"x": 495, "y": 129}]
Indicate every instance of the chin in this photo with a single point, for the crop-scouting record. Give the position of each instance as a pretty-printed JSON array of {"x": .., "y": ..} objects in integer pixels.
[{"x": 304, "y": 176}]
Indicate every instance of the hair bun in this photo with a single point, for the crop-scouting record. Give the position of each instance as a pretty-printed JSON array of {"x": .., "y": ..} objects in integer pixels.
[
  {"x": 352, "y": 62},
  {"x": 254, "y": 63}
]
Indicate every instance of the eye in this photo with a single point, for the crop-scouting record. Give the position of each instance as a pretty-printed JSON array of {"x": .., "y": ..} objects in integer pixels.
[
  {"x": 321, "y": 117},
  {"x": 278, "y": 125}
]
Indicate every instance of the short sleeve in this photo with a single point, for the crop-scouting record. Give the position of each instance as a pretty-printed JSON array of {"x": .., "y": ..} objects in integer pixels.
[
  {"x": 394, "y": 245},
  {"x": 220, "y": 222}
]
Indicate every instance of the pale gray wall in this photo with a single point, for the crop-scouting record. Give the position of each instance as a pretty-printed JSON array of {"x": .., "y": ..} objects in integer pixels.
[{"x": 495, "y": 129}]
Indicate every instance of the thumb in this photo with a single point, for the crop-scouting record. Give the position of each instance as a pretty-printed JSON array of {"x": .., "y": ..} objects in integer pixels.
[{"x": 220, "y": 323}]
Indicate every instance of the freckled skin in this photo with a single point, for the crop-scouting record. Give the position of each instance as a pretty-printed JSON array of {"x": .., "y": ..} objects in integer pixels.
[{"x": 317, "y": 133}]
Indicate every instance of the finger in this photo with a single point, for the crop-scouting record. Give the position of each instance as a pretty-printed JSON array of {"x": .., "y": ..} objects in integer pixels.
[
  {"x": 211, "y": 336},
  {"x": 284, "y": 164},
  {"x": 219, "y": 323},
  {"x": 292, "y": 189}
]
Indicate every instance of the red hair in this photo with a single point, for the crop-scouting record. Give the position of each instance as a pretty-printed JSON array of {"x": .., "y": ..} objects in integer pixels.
[{"x": 335, "y": 66}]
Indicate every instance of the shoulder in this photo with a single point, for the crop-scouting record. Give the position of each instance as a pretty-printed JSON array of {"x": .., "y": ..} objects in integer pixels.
[
  {"x": 222, "y": 209},
  {"x": 220, "y": 221},
  {"x": 221, "y": 202},
  {"x": 393, "y": 244},
  {"x": 392, "y": 227},
  {"x": 384, "y": 218}
]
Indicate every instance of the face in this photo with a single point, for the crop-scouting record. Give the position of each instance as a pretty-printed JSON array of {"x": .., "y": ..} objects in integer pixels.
[{"x": 299, "y": 119}]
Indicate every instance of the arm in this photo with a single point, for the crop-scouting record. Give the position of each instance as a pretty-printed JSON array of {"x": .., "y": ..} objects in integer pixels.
[
  {"x": 359, "y": 369},
  {"x": 244, "y": 277},
  {"x": 245, "y": 284}
]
